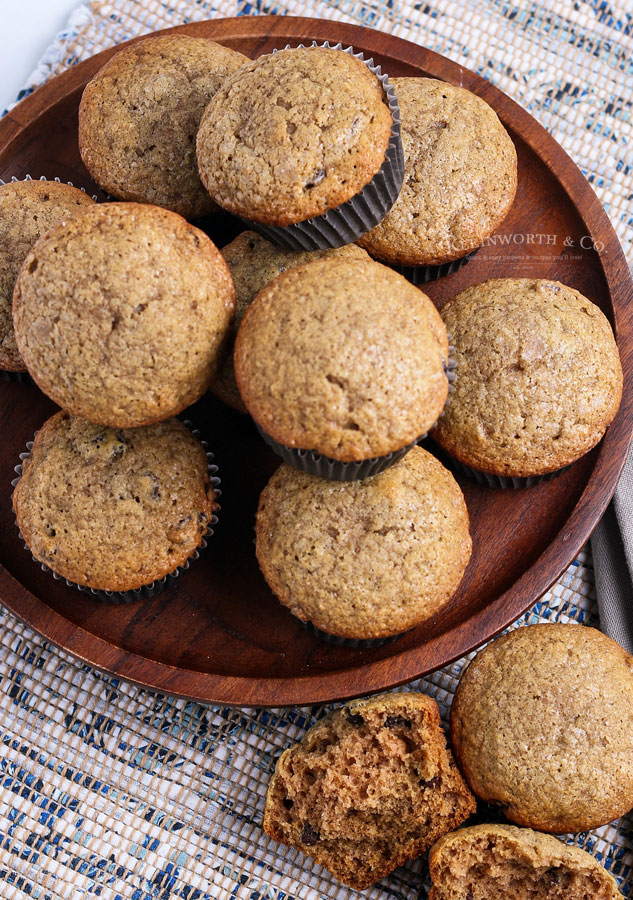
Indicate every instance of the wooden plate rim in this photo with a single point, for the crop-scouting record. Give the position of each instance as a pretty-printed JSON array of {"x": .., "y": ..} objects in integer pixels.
[{"x": 445, "y": 648}]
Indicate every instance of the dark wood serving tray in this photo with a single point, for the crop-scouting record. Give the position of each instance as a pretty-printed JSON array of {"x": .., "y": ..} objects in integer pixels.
[{"x": 220, "y": 635}]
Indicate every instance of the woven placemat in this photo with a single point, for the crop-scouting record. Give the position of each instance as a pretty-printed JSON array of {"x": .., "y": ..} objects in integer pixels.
[{"x": 110, "y": 791}]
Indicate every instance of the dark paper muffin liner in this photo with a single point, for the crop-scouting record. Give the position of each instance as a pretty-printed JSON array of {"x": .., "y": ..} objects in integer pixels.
[
  {"x": 44, "y": 178},
  {"x": 358, "y": 643},
  {"x": 15, "y": 377},
  {"x": 333, "y": 469},
  {"x": 423, "y": 274},
  {"x": 344, "y": 224},
  {"x": 450, "y": 369},
  {"x": 24, "y": 377},
  {"x": 156, "y": 587},
  {"x": 501, "y": 481}
]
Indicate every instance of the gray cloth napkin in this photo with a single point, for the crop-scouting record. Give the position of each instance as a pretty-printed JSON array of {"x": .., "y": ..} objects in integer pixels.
[{"x": 612, "y": 550}]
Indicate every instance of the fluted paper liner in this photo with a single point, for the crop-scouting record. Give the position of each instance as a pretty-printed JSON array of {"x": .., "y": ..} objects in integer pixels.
[
  {"x": 344, "y": 224},
  {"x": 156, "y": 587}
]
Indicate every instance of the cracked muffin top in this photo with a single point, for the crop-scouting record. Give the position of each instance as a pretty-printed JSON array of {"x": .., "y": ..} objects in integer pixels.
[
  {"x": 460, "y": 176},
  {"x": 293, "y": 134},
  {"x": 139, "y": 116},
  {"x": 27, "y": 210},
  {"x": 121, "y": 314},
  {"x": 113, "y": 509},
  {"x": 364, "y": 559},
  {"x": 539, "y": 377},
  {"x": 342, "y": 356},
  {"x": 254, "y": 262},
  {"x": 542, "y": 725}
]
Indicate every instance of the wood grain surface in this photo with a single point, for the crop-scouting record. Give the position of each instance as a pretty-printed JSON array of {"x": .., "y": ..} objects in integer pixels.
[{"x": 220, "y": 635}]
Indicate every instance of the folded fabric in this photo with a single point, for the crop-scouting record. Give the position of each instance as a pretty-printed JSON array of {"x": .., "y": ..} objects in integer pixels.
[{"x": 612, "y": 549}]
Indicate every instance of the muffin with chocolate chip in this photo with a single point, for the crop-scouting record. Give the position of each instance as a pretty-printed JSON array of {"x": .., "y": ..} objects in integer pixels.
[
  {"x": 368, "y": 787},
  {"x": 113, "y": 509},
  {"x": 482, "y": 862},
  {"x": 297, "y": 134}
]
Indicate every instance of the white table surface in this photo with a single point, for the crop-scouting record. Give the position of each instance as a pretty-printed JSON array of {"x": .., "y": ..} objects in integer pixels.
[{"x": 28, "y": 27}]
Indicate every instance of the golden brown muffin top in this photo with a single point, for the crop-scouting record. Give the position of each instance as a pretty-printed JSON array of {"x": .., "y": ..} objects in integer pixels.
[
  {"x": 344, "y": 357},
  {"x": 121, "y": 313},
  {"x": 539, "y": 376},
  {"x": 139, "y": 117},
  {"x": 542, "y": 724},
  {"x": 113, "y": 509},
  {"x": 27, "y": 210},
  {"x": 254, "y": 262},
  {"x": 364, "y": 559},
  {"x": 460, "y": 176},
  {"x": 293, "y": 134}
]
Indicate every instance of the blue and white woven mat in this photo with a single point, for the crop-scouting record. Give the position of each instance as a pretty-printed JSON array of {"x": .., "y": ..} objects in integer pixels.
[{"x": 110, "y": 791}]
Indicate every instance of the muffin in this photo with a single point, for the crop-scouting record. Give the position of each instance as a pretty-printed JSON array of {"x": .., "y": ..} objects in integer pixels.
[
  {"x": 300, "y": 133},
  {"x": 139, "y": 116},
  {"x": 364, "y": 559},
  {"x": 27, "y": 210},
  {"x": 539, "y": 377},
  {"x": 121, "y": 314},
  {"x": 113, "y": 509},
  {"x": 370, "y": 786},
  {"x": 482, "y": 862},
  {"x": 342, "y": 357},
  {"x": 460, "y": 177},
  {"x": 541, "y": 725},
  {"x": 253, "y": 262}
]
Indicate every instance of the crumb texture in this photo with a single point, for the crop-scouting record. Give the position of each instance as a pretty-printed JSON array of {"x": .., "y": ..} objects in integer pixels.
[
  {"x": 113, "y": 509},
  {"x": 364, "y": 559},
  {"x": 369, "y": 787},
  {"x": 342, "y": 356},
  {"x": 254, "y": 262},
  {"x": 501, "y": 862},
  {"x": 122, "y": 314},
  {"x": 539, "y": 380},
  {"x": 293, "y": 134},
  {"x": 27, "y": 210},
  {"x": 139, "y": 117},
  {"x": 460, "y": 176},
  {"x": 542, "y": 725}
]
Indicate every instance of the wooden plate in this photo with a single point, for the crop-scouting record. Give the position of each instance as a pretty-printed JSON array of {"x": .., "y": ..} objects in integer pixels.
[{"x": 220, "y": 635}]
